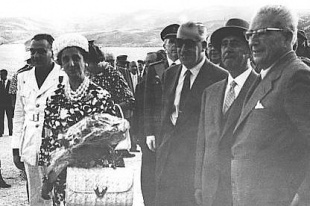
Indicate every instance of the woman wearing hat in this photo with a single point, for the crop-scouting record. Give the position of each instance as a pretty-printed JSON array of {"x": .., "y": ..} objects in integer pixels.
[{"x": 75, "y": 98}]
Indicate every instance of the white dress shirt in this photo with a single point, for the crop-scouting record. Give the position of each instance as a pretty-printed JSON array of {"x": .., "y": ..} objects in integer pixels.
[
  {"x": 240, "y": 80},
  {"x": 170, "y": 62},
  {"x": 195, "y": 70},
  {"x": 134, "y": 79}
]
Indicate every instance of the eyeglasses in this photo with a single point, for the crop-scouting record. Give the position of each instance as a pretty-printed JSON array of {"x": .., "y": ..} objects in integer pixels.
[
  {"x": 187, "y": 42},
  {"x": 259, "y": 32}
]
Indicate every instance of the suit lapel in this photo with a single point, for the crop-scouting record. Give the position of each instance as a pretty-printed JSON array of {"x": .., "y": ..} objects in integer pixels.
[
  {"x": 198, "y": 85},
  {"x": 234, "y": 111},
  {"x": 259, "y": 93},
  {"x": 33, "y": 84},
  {"x": 218, "y": 102},
  {"x": 51, "y": 80},
  {"x": 173, "y": 82}
]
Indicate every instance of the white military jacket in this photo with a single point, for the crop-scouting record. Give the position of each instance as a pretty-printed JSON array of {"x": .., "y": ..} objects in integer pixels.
[{"x": 29, "y": 112}]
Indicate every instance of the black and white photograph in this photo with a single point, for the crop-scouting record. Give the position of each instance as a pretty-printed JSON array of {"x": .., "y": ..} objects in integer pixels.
[{"x": 154, "y": 103}]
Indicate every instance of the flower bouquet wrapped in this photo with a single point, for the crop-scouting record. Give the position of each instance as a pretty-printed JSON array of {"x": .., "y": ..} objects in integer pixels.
[{"x": 91, "y": 138}]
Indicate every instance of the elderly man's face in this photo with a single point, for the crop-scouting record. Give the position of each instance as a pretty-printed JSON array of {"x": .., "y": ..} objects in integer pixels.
[
  {"x": 190, "y": 52},
  {"x": 269, "y": 46},
  {"x": 171, "y": 48},
  {"x": 235, "y": 53}
]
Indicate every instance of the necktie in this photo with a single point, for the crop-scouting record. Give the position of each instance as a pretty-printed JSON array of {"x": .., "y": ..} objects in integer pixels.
[
  {"x": 185, "y": 89},
  {"x": 173, "y": 64},
  {"x": 230, "y": 97}
]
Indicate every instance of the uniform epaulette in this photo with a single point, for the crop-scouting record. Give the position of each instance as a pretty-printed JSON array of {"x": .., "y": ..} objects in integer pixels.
[
  {"x": 25, "y": 68},
  {"x": 158, "y": 62}
]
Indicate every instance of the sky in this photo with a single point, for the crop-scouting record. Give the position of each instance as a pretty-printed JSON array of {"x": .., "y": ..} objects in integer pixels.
[{"x": 58, "y": 9}]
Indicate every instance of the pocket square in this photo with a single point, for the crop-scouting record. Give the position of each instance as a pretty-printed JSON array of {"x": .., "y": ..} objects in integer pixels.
[{"x": 259, "y": 105}]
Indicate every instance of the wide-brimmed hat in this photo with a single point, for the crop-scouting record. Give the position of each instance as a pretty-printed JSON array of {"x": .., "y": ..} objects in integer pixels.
[
  {"x": 121, "y": 58},
  {"x": 69, "y": 40},
  {"x": 169, "y": 31},
  {"x": 233, "y": 27}
]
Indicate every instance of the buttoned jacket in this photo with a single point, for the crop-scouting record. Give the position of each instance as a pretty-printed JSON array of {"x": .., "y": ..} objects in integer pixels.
[{"x": 29, "y": 112}]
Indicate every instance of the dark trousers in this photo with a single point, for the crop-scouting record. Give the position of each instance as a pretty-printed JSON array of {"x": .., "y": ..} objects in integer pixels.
[
  {"x": 8, "y": 110},
  {"x": 148, "y": 175}
]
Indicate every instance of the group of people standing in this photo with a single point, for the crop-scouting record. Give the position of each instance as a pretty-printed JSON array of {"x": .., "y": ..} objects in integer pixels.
[
  {"x": 236, "y": 131},
  {"x": 233, "y": 131}
]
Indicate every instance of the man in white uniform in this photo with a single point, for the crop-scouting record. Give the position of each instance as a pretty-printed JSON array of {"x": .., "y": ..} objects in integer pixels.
[{"x": 33, "y": 88}]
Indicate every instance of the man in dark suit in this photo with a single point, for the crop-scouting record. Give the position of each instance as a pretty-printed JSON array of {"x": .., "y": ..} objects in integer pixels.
[
  {"x": 270, "y": 155},
  {"x": 152, "y": 111},
  {"x": 134, "y": 77},
  {"x": 220, "y": 110},
  {"x": 5, "y": 103},
  {"x": 182, "y": 90}
]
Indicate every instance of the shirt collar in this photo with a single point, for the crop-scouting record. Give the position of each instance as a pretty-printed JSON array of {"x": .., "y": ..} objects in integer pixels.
[
  {"x": 195, "y": 70},
  {"x": 264, "y": 72},
  {"x": 240, "y": 80},
  {"x": 170, "y": 61}
]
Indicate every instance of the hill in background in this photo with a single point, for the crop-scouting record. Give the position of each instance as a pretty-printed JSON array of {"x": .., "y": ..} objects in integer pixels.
[{"x": 140, "y": 28}]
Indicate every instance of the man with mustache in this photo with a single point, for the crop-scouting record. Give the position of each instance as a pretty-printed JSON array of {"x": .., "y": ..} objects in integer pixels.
[
  {"x": 183, "y": 85},
  {"x": 221, "y": 108}
]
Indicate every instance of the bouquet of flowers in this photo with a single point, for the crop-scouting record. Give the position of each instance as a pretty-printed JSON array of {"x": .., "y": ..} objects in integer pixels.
[{"x": 91, "y": 138}]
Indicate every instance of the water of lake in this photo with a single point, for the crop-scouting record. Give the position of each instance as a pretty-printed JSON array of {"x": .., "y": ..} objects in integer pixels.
[{"x": 13, "y": 56}]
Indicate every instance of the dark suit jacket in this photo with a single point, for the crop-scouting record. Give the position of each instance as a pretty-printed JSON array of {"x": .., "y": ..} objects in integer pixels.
[
  {"x": 153, "y": 99},
  {"x": 130, "y": 83},
  {"x": 213, "y": 152},
  {"x": 271, "y": 151},
  {"x": 176, "y": 154},
  {"x": 5, "y": 97}
]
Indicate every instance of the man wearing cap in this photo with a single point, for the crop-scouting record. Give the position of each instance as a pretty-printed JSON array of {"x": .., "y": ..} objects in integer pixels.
[
  {"x": 212, "y": 53},
  {"x": 152, "y": 110},
  {"x": 182, "y": 91},
  {"x": 33, "y": 88},
  {"x": 270, "y": 154},
  {"x": 122, "y": 67},
  {"x": 221, "y": 108}
]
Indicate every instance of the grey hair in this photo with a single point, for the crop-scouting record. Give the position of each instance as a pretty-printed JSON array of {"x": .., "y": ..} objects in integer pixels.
[{"x": 286, "y": 18}]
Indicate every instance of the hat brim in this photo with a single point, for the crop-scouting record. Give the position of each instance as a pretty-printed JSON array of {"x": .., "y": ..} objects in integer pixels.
[
  {"x": 218, "y": 35},
  {"x": 174, "y": 35}
]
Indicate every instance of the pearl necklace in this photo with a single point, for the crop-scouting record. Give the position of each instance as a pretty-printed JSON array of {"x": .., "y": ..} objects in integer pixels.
[{"x": 79, "y": 93}]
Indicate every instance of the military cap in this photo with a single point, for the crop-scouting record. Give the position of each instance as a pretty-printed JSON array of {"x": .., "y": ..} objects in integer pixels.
[
  {"x": 233, "y": 27},
  {"x": 169, "y": 31},
  {"x": 140, "y": 61},
  {"x": 121, "y": 58}
]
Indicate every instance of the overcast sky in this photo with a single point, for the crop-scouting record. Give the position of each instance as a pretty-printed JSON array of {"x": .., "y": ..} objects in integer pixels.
[{"x": 59, "y": 9}]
